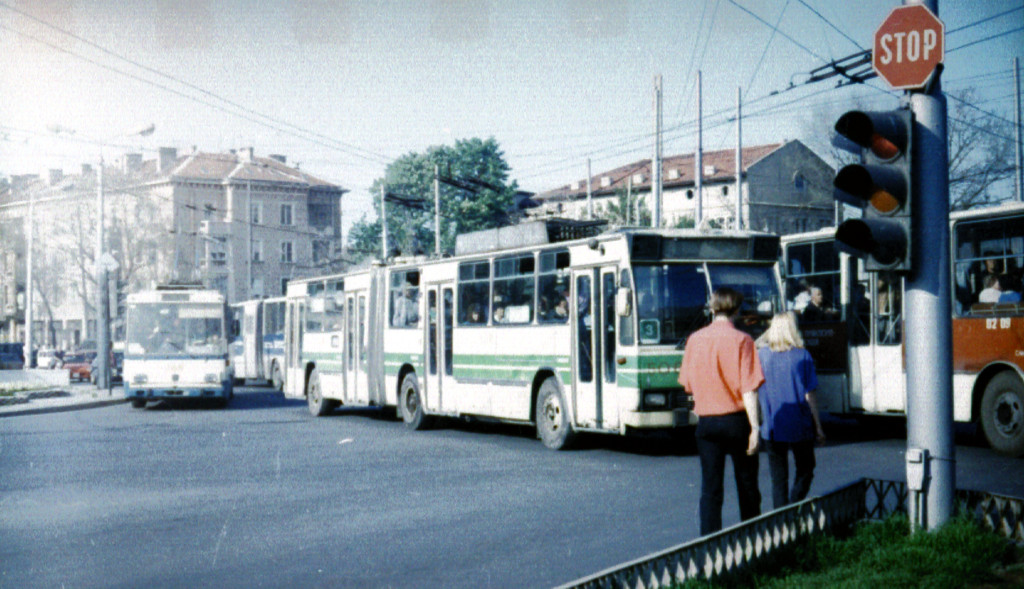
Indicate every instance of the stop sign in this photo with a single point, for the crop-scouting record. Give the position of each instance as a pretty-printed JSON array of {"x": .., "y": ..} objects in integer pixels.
[{"x": 908, "y": 46}]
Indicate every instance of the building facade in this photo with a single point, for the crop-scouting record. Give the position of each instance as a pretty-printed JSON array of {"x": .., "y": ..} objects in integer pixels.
[
  {"x": 785, "y": 188},
  {"x": 235, "y": 222}
]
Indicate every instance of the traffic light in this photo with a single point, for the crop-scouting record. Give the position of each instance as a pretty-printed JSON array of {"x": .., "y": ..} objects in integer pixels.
[{"x": 880, "y": 186}]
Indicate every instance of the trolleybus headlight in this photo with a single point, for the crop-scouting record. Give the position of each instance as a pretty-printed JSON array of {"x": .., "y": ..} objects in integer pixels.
[
  {"x": 211, "y": 377},
  {"x": 140, "y": 379},
  {"x": 655, "y": 399}
]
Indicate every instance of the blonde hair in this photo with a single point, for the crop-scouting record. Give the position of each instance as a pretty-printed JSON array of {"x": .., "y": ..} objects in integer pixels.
[{"x": 782, "y": 334}]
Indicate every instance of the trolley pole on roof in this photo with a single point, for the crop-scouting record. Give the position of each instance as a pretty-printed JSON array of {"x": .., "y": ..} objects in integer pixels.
[
  {"x": 656, "y": 161},
  {"x": 383, "y": 224},
  {"x": 437, "y": 210}
]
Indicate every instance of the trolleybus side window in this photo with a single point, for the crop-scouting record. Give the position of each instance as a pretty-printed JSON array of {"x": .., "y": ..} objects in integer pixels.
[
  {"x": 553, "y": 287},
  {"x": 474, "y": 292},
  {"x": 513, "y": 290},
  {"x": 812, "y": 274},
  {"x": 626, "y": 323},
  {"x": 989, "y": 265},
  {"x": 432, "y": 331},
  {"x": 405, "y": 299},
  {"x": 449, "y": 305}
]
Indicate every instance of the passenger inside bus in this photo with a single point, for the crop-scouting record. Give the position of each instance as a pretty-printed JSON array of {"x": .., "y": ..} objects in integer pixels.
[
  {"x": 1009, "y": 288},
  {"x": 816, "y": 310}
]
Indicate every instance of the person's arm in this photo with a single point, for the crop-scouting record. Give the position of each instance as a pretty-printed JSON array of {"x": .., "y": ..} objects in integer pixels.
[
  {"x": 812, "y": 402},
  {"x": 750, "y": 404}
]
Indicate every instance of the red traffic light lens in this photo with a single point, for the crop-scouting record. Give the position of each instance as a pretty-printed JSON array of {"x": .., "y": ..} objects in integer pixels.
[{"x": 883, "y": 148}]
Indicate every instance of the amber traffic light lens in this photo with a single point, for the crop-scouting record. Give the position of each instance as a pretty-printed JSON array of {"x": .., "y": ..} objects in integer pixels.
[{"x": 882, "y": 201}]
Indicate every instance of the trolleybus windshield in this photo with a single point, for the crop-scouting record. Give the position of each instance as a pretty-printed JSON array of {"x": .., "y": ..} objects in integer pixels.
[
  {"x": 187, "y": 328},
  {"x": 672, "y": 299}
]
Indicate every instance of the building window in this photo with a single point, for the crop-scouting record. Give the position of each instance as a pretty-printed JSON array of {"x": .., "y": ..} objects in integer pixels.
[
  {"x": 321, "y": 250},
  {"x": 286, "y": 214},
  {"x": 799, "y": 182},
  {"x": 689, "y": 195},
  {"x": 256, "y": 213},
  {"x": 284, "y": 285},
  {"x": 257, "y": 251},
  {"x": 287, "y": 256},
  {"x": 725, "y": 191}
]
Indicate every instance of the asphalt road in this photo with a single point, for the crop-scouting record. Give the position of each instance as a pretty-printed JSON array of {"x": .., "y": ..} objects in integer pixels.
[{"x": 263, "y": 495}]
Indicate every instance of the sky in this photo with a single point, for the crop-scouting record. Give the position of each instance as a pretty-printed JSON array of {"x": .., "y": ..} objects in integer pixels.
[{"x": 343, "y": 87}]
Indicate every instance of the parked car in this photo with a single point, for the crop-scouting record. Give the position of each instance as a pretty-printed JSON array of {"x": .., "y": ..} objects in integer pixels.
[
  {"x": 116, "y": 363},
  {"x": 12, "y": 356},
  {"x": 79, "y": 365},
  {"x": 49, "y": 358}
]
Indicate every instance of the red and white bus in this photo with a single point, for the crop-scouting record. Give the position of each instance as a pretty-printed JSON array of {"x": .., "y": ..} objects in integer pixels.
[{"x": 856, "y": 333}]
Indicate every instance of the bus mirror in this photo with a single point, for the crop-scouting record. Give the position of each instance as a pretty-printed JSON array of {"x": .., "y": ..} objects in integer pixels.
[{"x": 624, "y": 302}]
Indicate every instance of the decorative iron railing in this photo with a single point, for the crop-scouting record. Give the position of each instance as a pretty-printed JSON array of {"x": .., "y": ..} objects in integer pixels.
[{"x": 734, "y": 548}]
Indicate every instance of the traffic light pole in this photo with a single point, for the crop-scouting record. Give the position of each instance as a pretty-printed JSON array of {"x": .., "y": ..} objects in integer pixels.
[{"x": 931, "y": 460}]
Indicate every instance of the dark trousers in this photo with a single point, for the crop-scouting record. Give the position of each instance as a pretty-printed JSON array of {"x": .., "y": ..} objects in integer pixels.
[
  {"x": 778, "y": 464},
  {"x": 719, "y": 436}
]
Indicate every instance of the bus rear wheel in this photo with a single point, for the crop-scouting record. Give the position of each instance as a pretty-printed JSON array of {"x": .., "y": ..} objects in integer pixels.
[
  {"x": 318, "y": 405},
  {"x": 411, "y": 404},
  {"x": 1002, "y": 414},
  {"x": 553, "y": 427}
]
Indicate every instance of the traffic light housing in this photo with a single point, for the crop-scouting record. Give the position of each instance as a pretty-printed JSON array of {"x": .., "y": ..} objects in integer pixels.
[{"x": 880, "y": 186}]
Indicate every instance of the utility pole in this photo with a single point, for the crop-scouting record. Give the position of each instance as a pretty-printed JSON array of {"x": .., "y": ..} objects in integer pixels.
[
  {"x": 383, "y": 224},
  {"x": 1016, "y": 120},
  {"x": 102, "y": 299},
  {"x": 739, "y": 158},
  {"x": 656, "y": 162},
  {"x": 29, "y": 288},
  {"x": 929, "y": 356},
  {"x": 248, "y": 247},
  {"x": 629, "y": 201},
  {"x": 437, "y": 211},
  {"x": 698, "y": 159},
  {"x": 590, "y": 195}
]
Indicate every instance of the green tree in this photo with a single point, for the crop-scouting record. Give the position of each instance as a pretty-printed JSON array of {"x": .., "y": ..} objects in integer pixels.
[
  {"x": 624, "y": 209},
  {"x": 481, "y": 200}
]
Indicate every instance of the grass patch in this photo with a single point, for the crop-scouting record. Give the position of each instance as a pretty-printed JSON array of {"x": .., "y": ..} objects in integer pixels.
[{"x": 883, "y": 554}]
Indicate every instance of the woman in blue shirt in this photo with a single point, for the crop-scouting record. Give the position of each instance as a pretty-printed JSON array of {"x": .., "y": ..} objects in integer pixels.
[{"x": 789, "y": 410}]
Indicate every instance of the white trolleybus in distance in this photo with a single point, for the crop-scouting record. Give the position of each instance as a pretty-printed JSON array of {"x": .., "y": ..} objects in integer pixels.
[
  {"x": 855, "y": 331},
  {"x": 257, "y": 350},
  {"x": 176, "y": 346},
  {"x": 581, "y": 335}
]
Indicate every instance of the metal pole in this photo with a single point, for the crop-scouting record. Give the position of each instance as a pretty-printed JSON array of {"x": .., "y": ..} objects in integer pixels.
[
  {"x": 656, "y": 162},
  {"x": 248, "y": 247},
  {"x": 437, "y": 211},
  {"x": 629, "y": 201},
  {"x": 29, "y": 288},
  {"x": 739, "y": 158},
  {"x": 590, "y": 195},
  {"x": 929, "y": 354},
  {"x": 698, "y": 172},
  {"x": 102, "y": 304},
  {"x": 383, "y": 225},
  {"x": 1016, "y": 121}
]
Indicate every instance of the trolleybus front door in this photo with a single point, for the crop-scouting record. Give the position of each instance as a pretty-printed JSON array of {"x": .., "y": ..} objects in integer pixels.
[
  {"x": 593, "y": 328},
  {"x": 294, "y": 378}
]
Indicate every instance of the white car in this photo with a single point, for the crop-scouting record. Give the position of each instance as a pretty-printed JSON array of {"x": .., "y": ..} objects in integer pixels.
[{"x": 49, "y": 358}]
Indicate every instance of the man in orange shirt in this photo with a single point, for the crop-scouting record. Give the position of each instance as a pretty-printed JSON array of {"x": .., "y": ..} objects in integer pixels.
[{"x": 721, "y": 370}]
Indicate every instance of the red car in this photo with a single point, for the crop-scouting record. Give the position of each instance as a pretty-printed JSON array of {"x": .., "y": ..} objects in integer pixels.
[{"x": 79, "y": 365}]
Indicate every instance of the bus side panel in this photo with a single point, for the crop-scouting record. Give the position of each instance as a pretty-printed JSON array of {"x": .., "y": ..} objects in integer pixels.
[{"x": 325, "y": 351}]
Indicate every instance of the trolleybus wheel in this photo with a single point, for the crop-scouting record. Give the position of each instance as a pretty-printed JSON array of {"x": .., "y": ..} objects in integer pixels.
[
  {"x": 411, "y": 404},
  {"x": 1002, "y": 414},
  {"x": 276, "y": 380},
  {"x": 553, "y": 426},
  {"x": 318, "y": 405}
]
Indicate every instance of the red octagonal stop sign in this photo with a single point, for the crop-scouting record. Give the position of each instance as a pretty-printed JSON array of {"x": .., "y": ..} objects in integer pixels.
[{"x": 908, "y": 46}]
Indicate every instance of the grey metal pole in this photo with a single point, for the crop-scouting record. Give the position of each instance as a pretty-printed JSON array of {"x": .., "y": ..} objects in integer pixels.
[
  {"x": 590, "y": 195},
  {"x": 656, "y": 162},
  {"x": 248, "y": 247},
  {"x": 1016, "y": 121},
  {"x": 437, "y": 211},
  {"x": 383, "y": 225},
  {"x": 102, "y": 302},
  {"x": 739, "y": 158},
  {"x": 698, "y": 165},
  {"x": 929, "y": 356},
  {"x": 29, "y": 287},
  {"x": 629, "y": 201}
]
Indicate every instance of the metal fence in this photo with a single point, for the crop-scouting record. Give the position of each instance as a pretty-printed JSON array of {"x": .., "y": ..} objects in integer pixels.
[{"x": 734, "y": 548}]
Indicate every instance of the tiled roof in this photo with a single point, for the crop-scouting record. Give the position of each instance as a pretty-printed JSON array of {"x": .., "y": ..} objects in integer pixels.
[
  {"x": 723, "y": 162},
  {"x": 237, "y": 167}
]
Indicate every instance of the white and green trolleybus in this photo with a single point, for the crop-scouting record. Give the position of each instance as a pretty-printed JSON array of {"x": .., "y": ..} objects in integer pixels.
[
  {"x": 177, "y": 346},
  {"x": 578, "y": 335}
]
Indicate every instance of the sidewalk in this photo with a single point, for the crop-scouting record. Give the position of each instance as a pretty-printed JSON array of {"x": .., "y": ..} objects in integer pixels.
[{"x": 68, "y": 398}]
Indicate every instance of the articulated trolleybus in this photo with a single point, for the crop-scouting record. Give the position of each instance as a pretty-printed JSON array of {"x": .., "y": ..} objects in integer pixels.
[
  {"x": 578, "y": 335},
  {"x": 258, "y": 350},
  {"x": 858, "y": 340},
  {"x": 177, "y": 346}
]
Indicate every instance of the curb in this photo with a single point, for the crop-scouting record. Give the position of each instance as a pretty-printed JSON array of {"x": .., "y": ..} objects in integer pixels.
[{"x": 62, "y": 408}]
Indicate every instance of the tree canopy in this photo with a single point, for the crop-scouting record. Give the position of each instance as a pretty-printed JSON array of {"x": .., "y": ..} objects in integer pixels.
[{"x": 475, "y": 193}]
